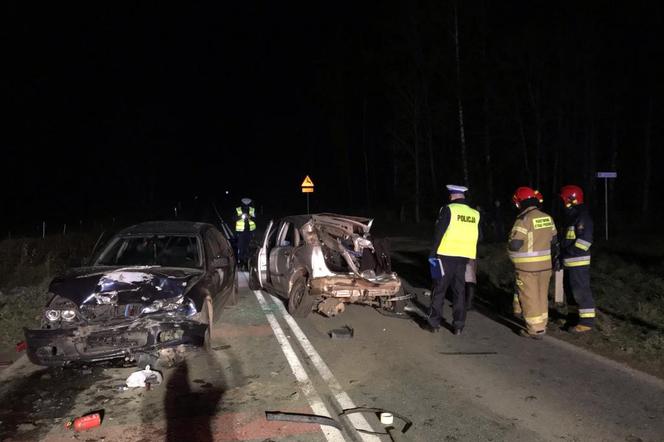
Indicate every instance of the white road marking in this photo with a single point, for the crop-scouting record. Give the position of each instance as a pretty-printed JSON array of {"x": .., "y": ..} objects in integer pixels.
[
  {"x": 315, "y": 402},
  {"x": 342, "y": 398}
]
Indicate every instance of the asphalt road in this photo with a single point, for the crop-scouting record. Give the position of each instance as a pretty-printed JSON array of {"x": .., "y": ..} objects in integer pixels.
[{"x": 488, "y": 384}]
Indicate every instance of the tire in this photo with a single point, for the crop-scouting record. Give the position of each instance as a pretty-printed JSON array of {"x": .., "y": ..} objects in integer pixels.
[
  {"x": 206, "y": 318},
  {"x": 299, "y": 301}
]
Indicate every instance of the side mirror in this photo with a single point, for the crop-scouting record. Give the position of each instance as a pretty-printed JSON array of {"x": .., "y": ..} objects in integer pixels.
[{"x": 220, "y": 261}]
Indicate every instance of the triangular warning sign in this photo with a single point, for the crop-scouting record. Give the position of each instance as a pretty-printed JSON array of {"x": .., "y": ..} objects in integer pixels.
[{"x": 307, "y": 182}]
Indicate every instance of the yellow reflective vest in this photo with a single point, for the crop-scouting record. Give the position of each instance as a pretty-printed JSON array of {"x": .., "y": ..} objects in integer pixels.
[
  {"x": 240, "y": 223},
  {"x": 460, "y": 238}
]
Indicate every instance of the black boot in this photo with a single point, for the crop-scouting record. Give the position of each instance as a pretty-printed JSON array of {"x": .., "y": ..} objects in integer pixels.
[{"x": 470, "y": 295}]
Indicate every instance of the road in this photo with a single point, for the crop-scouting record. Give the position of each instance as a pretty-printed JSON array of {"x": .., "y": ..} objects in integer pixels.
[{"x": 487, "y": 384}]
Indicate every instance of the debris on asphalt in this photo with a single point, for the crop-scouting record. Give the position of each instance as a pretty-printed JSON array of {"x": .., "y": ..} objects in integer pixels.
[
  {"x": 86, "y": 422},
  {"x": 221, "y": 347},
  {"x": 386, "y": 418},
  {"x": 144, "y": 378},
  {"x": 302, "y": 418},
  {"x": 21, "y": 346},
  {"x": 344, "y": 332},
  {"x": 378, "y": 411}
]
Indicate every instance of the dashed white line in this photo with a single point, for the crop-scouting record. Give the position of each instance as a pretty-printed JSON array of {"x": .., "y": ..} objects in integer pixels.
[
  {"x": 342, "y": 398},
  {"x": 315, "y": 402}
]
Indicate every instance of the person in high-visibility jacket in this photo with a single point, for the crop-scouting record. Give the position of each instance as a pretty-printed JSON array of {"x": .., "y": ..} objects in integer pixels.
[
  {"x": 455, "y": 242},
  {"x": 577, "y": 238},
  {"x": 245, "y": 224},
  {"x": 532, "y": 248}
]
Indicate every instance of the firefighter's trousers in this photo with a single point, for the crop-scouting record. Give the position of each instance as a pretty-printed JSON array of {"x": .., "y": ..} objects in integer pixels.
[
  {"x": 454, "y": 278},
  {"x": 580, "y": 303},
  {"x": 533, "y": 290}
]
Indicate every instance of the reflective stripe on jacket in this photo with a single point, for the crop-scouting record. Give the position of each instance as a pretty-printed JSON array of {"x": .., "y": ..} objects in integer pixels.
[
  {"x": 461, "y": 235},
  {"x": 535, "y": 229},
  {"x": 578, "y": 238},
  {"x": 251, "y": 211}
]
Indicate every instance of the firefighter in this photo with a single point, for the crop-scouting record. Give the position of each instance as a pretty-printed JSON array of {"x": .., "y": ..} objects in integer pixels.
[
  {"x": 455, "y": 243},
  {"x": 577, "y": 238},
  {"x": 532, "y": 248},
  {"x": 245, "y": 225}
]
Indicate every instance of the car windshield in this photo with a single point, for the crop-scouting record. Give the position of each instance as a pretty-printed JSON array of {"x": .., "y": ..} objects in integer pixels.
[{"x": 161, "y": 250}]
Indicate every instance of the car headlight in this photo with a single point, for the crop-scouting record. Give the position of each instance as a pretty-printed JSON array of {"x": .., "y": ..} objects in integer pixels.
[
  {"x": 168, "y": 305},
  {"x": 68, "y": 315},
  {"x": 52, "y": 315}
]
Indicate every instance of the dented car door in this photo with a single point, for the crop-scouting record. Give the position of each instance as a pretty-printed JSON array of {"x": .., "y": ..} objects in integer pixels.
[
  {"x": 283, "y": 256},
  {"x": 263, "y": 255}
]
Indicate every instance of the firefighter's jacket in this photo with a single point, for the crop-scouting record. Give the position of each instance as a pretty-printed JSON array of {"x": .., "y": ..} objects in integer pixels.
[
  {"x": 577, "y": 237},
  {"x": 531, "y": 241}
]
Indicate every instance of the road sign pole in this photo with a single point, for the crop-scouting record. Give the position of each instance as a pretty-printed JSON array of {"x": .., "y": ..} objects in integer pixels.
[
  {"x": 606, "y": 176},
  {"x": 606, "y": 209},
  {"x": 307, "y": 204}
]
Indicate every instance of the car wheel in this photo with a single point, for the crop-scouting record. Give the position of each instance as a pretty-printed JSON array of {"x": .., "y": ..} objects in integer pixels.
[
  {"x": 299, "y": 301},
  {"x": 206, "y": 318}
]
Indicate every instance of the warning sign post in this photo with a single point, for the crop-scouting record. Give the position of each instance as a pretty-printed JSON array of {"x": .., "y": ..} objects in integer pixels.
[{"x": 307, "y": 188}]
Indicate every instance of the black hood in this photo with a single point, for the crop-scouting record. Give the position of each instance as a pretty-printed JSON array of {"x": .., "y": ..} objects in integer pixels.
[{"x": 123, "y": 285}]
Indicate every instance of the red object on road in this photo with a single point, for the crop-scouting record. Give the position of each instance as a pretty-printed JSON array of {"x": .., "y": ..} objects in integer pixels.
[
  {"x": 21, "y": 346},
  {"x": 84, "y": 422}
]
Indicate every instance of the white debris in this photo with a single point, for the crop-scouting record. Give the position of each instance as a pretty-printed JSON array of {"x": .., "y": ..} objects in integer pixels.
[{"x": 140, "y": 378}]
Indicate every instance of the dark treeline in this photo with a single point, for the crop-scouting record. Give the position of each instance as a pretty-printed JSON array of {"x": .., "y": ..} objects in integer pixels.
[
  {"x": 127, "y": 114},
  {"x": 497, "y": 95}
]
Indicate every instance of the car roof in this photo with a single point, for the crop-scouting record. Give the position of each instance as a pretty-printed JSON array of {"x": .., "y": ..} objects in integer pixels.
[
  {"x": 166, "y": 227},
  {"x": 300, "y": 220}
]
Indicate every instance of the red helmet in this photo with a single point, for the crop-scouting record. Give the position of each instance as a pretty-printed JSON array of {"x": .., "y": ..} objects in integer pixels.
[
  {"x": 523, "y": 193},
  {"x": 571, "y": 195}
]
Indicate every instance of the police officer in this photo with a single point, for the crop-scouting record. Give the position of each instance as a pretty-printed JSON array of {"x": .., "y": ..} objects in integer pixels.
[
  {"x": 577, "y": 238},
  {"x": 245, "y": 225},
  {"x": 532, "y": 248},
  {"x": 455, "y": 242}
]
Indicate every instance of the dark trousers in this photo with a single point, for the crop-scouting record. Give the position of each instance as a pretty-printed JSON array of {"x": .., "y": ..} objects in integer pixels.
[
  {"x": 581, "y": 306},
  {"x": 454, "y": 278},
  {"x": 243, "y": 241}
]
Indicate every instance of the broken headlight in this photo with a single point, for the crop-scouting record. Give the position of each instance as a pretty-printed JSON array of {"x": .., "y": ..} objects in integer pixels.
[
  {"x": 60, "y": 309},
  {"x": 180, "y": 304}
]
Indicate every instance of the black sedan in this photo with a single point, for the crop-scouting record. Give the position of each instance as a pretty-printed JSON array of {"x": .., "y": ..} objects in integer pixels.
[{"x": 149, "y": 293}]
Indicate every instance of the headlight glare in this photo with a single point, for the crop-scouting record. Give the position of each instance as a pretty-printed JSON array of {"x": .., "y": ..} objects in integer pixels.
[{"x": 52, "y": 315}]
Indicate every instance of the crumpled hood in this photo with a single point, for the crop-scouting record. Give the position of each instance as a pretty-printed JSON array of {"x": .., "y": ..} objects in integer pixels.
[{"x": 123, "y": 285}]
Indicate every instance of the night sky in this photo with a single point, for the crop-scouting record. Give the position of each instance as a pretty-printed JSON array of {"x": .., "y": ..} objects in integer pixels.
[{"x": 125, "y": 111}]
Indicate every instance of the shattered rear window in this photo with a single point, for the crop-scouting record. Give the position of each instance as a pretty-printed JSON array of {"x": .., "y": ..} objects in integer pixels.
[{"x": 161, "y": 250}]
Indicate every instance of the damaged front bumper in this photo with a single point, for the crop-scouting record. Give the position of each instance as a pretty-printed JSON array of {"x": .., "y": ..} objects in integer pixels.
[{"x": 92, "y": 343}]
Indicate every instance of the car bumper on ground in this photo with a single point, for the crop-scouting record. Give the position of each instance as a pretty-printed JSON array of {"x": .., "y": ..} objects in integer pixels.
[{"x": 92, "y": 343}]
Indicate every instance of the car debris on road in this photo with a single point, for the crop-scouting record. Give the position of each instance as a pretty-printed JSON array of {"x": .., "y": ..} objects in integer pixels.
[{"x": 144, "y": 378}]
